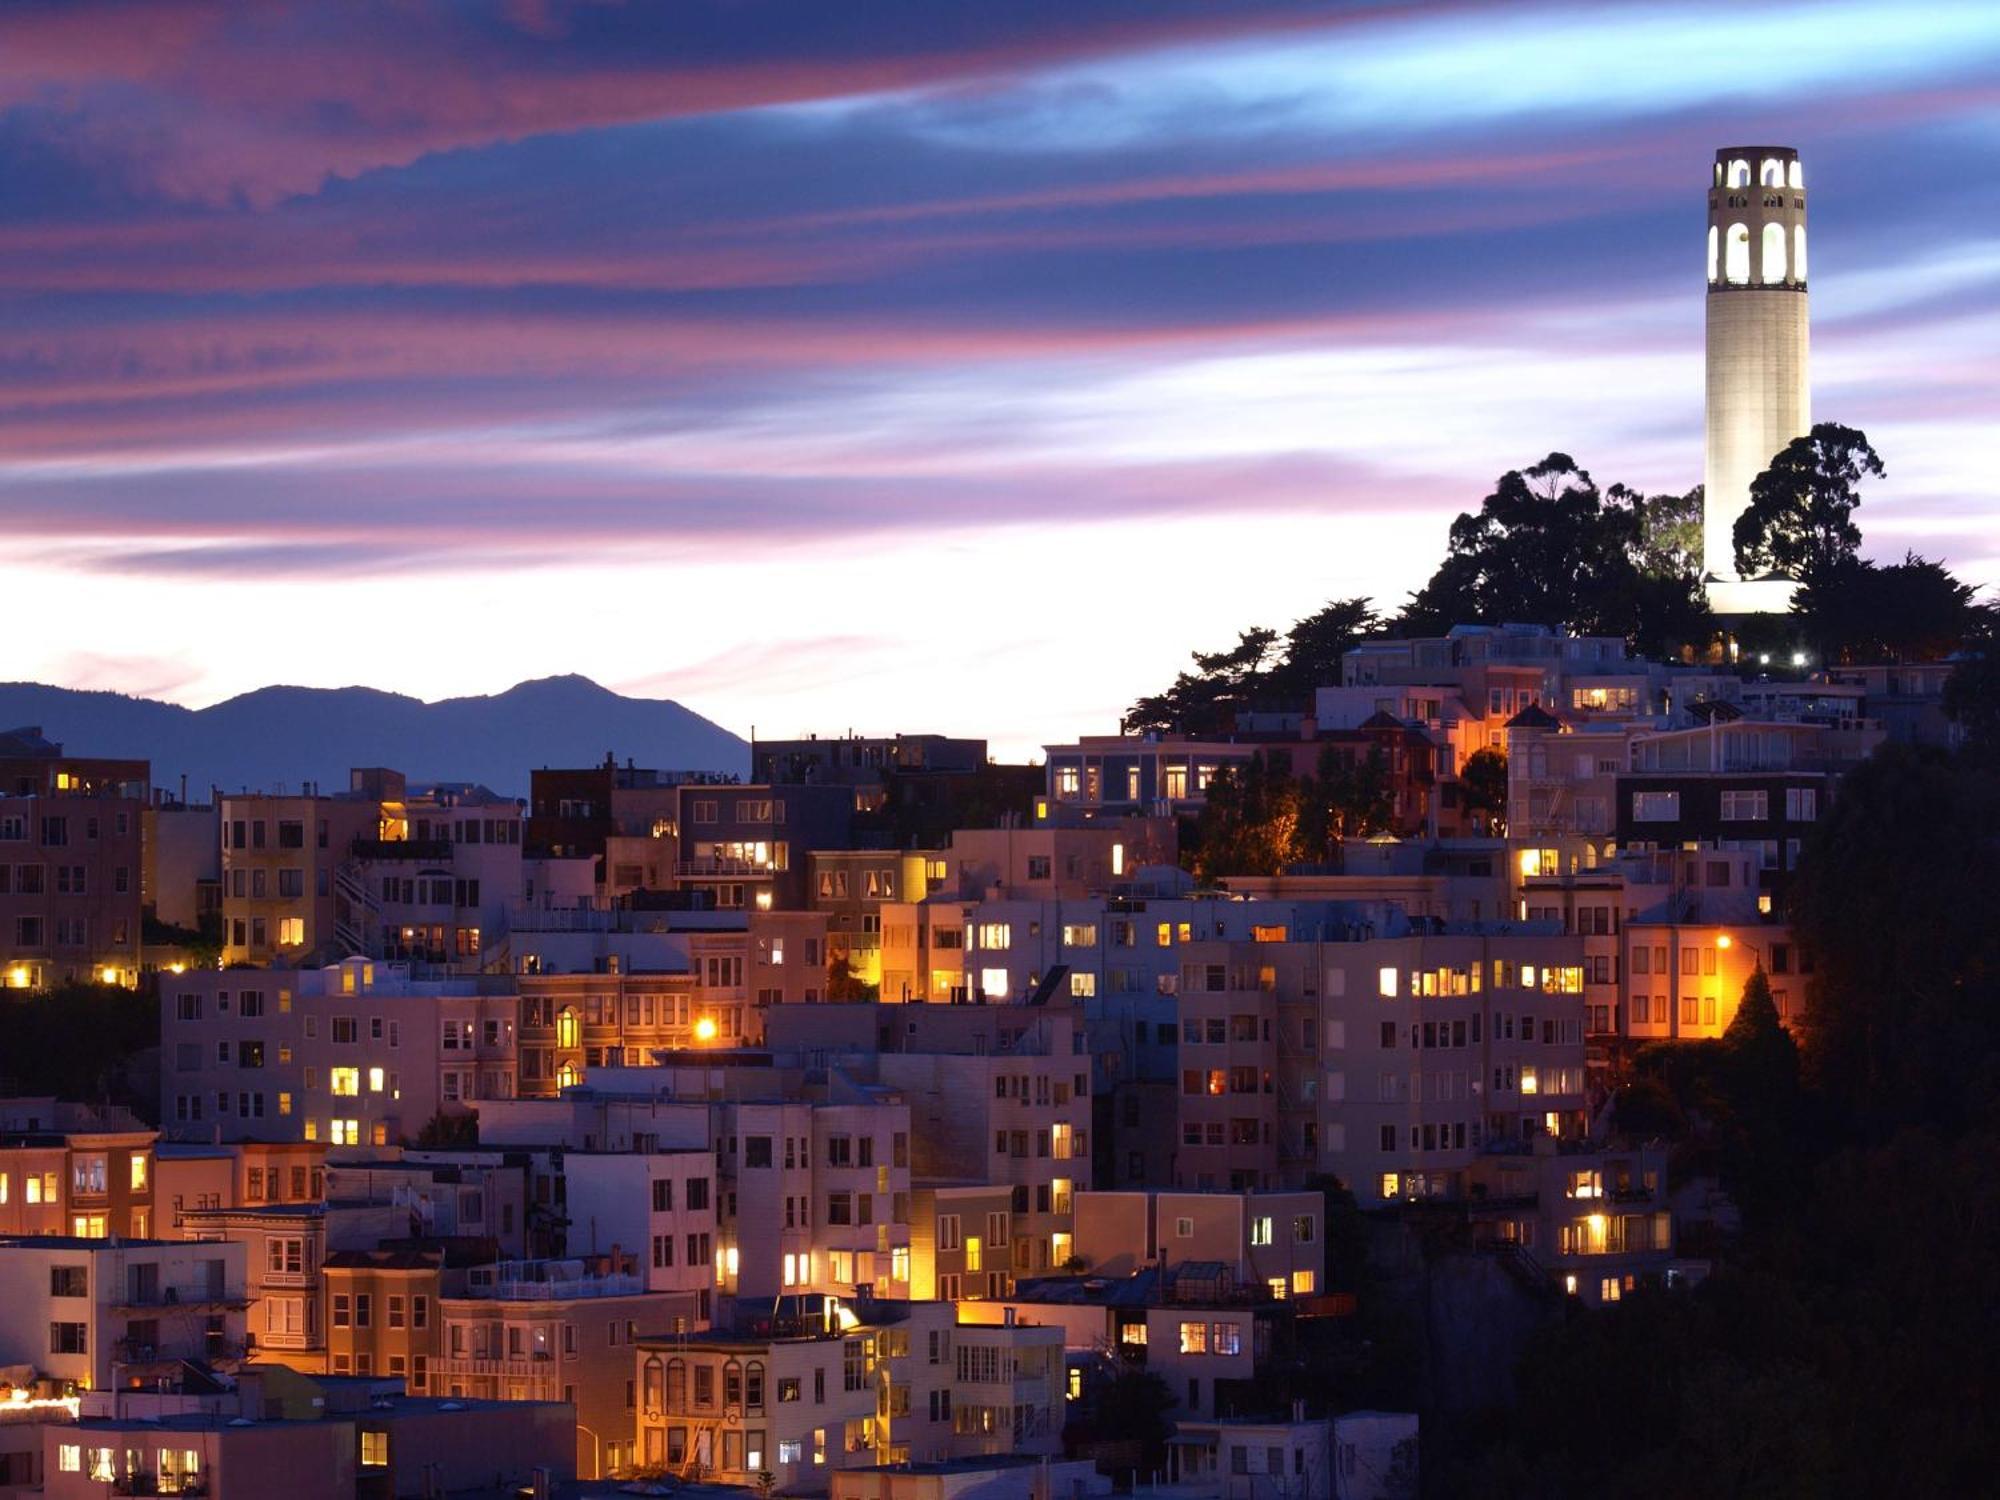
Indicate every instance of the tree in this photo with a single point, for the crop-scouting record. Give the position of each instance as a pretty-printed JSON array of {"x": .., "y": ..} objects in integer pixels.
[
  {"x": 1800, "y": 520},
  {"x": 1484, "y": 787},
  {"x": 1914, "y": 610},
  {"x": 1891, "y": 905},
  {"x": 1972, "y": 692},
  {"x": 1349, "y": 798},
  {"x": 1130, "y": 1411},
  {"x": 76, "y": 1041},
  {"x": 1249, "y": 823},
  {"x": 1206, "y": 701},
  {"x": 1548, "y": 546},
  {"x": 1670, "y": 529},
  {"x": 1315, "y": 645},
  {"x": 843, "y": 984},
  {"x": 1256, "y": 671},
  {"x": 449, "y": 1132}
]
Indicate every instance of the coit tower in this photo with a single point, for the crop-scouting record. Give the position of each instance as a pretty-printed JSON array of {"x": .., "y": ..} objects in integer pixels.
[{"x": 1759, "y": 397}]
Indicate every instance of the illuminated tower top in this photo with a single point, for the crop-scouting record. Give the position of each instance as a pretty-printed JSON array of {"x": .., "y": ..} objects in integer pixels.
[{"x": 1757, "y": 219}]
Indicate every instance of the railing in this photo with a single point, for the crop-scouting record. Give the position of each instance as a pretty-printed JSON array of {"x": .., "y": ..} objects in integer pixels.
[
  {"x": 516, "y": 1288},
  {"x": 194, "y": 1295},
  {"x": 500, "y": 1365},
  {"x": 715, "y": 864},
  {"x": 401, "y": 848}
]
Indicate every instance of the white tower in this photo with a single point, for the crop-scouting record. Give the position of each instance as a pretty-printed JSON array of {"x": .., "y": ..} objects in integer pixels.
[{"x": 1759, "y": 393}]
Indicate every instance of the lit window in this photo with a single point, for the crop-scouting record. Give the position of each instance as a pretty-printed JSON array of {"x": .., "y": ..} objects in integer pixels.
[
  {"x": 1737, "y": 263},
  {"x": 1771, "y": 267},
  {"x": 1386, "y": 983},
  {"x": 374, "y": 1449},
  {"x": 345, "y": 1082},
  {"x": 376, "y": 1078},
  {"x": 1302, "y": 1283}
]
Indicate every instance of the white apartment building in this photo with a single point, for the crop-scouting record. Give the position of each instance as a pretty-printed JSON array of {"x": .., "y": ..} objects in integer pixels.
[{"x": 88, "y": 1314}]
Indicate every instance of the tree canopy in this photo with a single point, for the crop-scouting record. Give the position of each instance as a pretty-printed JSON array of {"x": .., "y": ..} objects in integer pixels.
[
  {"x": 1548, "y": 546},
  {"x": 1859, "y": 611},
  {"x": 1263, "y": 669},
  {"x": 1800, "y": 520}
]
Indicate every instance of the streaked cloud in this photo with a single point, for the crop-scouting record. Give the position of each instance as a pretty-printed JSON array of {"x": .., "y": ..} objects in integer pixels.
[{"x": 906, "y": 365}]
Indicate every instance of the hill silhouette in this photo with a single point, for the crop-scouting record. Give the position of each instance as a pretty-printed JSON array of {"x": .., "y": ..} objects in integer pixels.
[{"x": 287, "y": 735}]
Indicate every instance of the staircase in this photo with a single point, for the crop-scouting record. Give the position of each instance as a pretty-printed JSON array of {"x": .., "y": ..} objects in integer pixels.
[{"x": 355, "y": 910}]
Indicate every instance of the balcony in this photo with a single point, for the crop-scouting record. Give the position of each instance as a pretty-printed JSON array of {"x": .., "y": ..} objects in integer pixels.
[
  {"x": 716, "y": 864},
  {"x": 201, "y": 1295},
  {"x": 130, "y": 1351},
  {"x": 429, "y": 849}
]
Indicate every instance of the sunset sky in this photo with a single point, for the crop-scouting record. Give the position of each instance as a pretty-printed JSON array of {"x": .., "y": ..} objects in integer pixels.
[{"x": 903, "y": 364}]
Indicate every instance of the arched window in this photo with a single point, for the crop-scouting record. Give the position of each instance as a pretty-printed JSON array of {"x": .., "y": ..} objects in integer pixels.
[
  {"x": 1798, "y": 252},
  {"x": 1772, "y": 266},
  {"x": 1736, "y": 264},
  {"x": 1714, "y": 252},
  {"x": 1795, "y": 176},
  {"x": 677, "y": 1386},
  {"x": 566, "y": 1029},
  {"x": 567, "y": 1077},
  {"x": 732, "y": 1384},
  {"x": 1739, "y": 173},
  {"x": 653, "y": 1385},
  {"x": 1718, "y": 174},
  {"x": 1773, "y": 173},
  {"x": 753, "y": 1385}
]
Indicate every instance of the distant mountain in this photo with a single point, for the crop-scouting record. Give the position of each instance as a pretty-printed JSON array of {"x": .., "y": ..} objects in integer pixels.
[{"x": 286, "y": 735}]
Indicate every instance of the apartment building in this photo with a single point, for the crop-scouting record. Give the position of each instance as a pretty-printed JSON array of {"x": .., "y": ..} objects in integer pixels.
[
  {"x": 910, "y": 790},
  {"x": 553, "y": 1330},
  {"x": 1390, "y": 1062},
  {"x": 961, "y": 1237},
  {"x": 1685, "y": 978},
  {"x": 1019, "y": 1117},
  {"x": 88, "y": 1314},
  {"x": 280, "y": 854},
  {"x": 272, "y": 1433},
  {"x": 432, "y": 889},
  {"x": 816, "y": 1192},
  {"x": 284, "y": 1245},
  {"x": 87, "y": 1183},
  {"x": 851, "y": 886},
  {"x": 1167, "y": 776},
  {"x": 1273, "y": 1239},
  {"x": 1597, "y": 1220},
  {"x": 388, "y": 1298},
  {"x": 379, "y": 870},
  {"x": 819, "y": 1386},
  {"x": 71, "y": 864},
  {"x": 355, "y": 1054},
  {"x": 180, "y": 880},
  {"x": 450, "y": 1197},
  {"x": 1195, "y": 1326},
  {"x": 747, "y": 845}
]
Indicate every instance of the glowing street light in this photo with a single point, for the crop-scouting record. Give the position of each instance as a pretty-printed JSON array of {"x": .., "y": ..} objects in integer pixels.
[{"x": 704, "y": 1029}]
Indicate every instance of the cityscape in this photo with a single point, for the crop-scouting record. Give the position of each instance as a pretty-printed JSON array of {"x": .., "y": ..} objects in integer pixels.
[{"x": 1504, "y": 1004}]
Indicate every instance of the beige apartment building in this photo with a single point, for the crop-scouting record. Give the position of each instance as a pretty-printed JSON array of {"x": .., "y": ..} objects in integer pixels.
[
  {"x": 554, "y": 1331},
  {"x": 823, "y": 1385}
]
